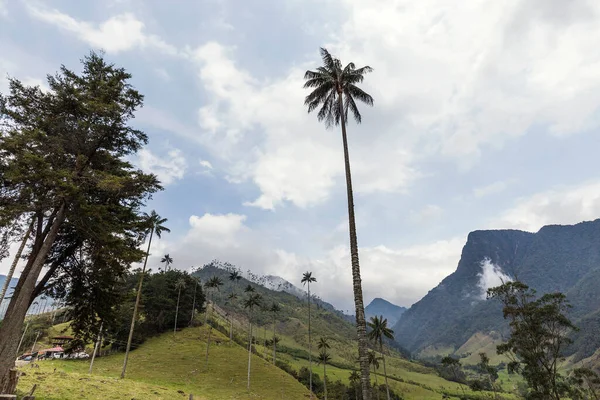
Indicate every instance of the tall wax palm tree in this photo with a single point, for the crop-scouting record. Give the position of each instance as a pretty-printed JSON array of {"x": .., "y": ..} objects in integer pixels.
[
  {"x": 155, "y": 226},
  {"x": 374, "y": 361},
  {"x": 232, "y": 298},
  {"x": 354, "y": 380},
  {"x": 196, "y": 283},
  {"x": 379, "y": 331},
  {"x": 307, "y": 279},
  {"x": 274, "y": 309},
  {"x": 213, "y": 284},
  {"x": 324, "y": 358},
  {"x": 249, "y": 289},
  {"x": 167, "y": 260},
  {"x": 253, "y": 300},
  {"x": 335, "y": 92},
  {"x": 180, "y": 284}
]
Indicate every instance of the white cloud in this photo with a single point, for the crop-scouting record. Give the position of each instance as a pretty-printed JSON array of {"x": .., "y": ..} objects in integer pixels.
[
  {"x": 206, "y": 164},
  {"x": 261, "y": 129},
  {"x": 561, "y": 205},
  {"x": 3, "y": 8},
  {"x": 474, "y": 74},
  {"x": 491, "y": 275},
  {"x": 402, "y": 275},
  {"x": 117, "y": 34},
  {"x": 163, "y": 74},
  {"x": 492, "y": 188},
  {"x": 169, "y": 168}
]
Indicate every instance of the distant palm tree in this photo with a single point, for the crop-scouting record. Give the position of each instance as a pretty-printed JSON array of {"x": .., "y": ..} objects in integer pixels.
[
  {"x": 253, "y": 300},
  {"x": 379, "y": 331},
  {"x": 180, "y": 284},
  {"x": 324, "y": 358},
  {"x": 307, "y": 279},
  {"x": 249, "y": 289},
  {"x": 354, "y": 380},
  {"x": 274, "y": 309},
  {"x": 196, "y": 283},
  {"x": 155, "y": 225},
  {"x": 374, "y": 361},
  {"x": 334, "y": 92},
  {"x": 232, "y": 298},
  {"x": 212, "y": 284},
  {"x": 234, "y": 276},
  {"x": 167, "y": 260}
]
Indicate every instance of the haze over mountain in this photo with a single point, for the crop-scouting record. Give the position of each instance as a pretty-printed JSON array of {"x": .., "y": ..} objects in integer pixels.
[{"x": 564, "y": 258}]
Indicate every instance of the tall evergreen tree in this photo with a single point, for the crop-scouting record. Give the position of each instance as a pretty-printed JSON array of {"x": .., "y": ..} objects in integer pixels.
[
  {"x": 539, "y": 333},
  {"x": 63, "y": 160},
  {"x": 335, "y": 92}
]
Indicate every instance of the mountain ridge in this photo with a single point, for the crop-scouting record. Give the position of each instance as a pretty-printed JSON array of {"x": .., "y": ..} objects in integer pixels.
[{"x": 563, "y": 258}]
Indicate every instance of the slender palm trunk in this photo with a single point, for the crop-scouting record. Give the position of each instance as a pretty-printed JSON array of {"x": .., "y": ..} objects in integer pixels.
[
  {"x": 325, "y": 379},
  {"x": 361, "y": 325},
  {"x": 274, "y": 343},
  {"x": 387, "y": 387},
  {"x": 249, "y": 348},
  {"x": 13, "y": 266},
  {"x": 135, "y": 308},
  {"x": 231, "y": 328},
  {"x": 11, "y": 327},
  {"x": 376, "y": 383},
  {"x": 96, "y": 347},
  {"x": 176, "y": 311},
  {"x": 208, "y": 337},
  {"x": 309, "y": 348},
  {"x": 194, "y": 304}
]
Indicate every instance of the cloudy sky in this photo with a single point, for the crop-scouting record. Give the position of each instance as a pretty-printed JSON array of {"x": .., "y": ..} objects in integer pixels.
[{"x": 486, "y": 116}]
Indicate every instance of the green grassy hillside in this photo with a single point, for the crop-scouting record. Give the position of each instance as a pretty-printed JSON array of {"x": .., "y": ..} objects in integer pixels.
[{"x": 166, "y": 367}]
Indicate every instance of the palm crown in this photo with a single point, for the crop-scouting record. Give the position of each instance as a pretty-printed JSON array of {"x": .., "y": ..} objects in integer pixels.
[
  {"x": 167, "y": 260},
  {"x": 155, "y": 223},
  {"x": 379, "y": 329},
  {"x": 308, "y": 278},
  {"x": 234, "y": 276},
  {"x": 214, "y": 283},
  {"x": 332, "y": 83}
]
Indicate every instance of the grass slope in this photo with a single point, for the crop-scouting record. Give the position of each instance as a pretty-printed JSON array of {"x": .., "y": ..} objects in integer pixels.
[{"x": 166, "y": 367}]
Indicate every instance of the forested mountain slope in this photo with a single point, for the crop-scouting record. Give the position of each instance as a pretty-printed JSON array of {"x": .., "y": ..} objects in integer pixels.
[{"x": 556, "y": 258}]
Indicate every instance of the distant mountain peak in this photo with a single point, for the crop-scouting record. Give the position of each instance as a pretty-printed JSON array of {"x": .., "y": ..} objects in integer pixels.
[{"x": 382, "y": 307}]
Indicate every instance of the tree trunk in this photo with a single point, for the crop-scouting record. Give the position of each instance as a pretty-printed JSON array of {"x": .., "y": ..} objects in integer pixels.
[
  {"x": 310, "y": 387},
  {"x": 274, "y": 343},
  {"x": 135, "y": 308},
  {"x": 387, "y": 387},
  {"x": 249, "y": 349},
  {"x": 13, "y": 266},
  {"x": 231, "y": 328},
  {"x": 11, "y": 327},
  {"x": 361, "y": 325},
  {"x": 325, "y": 379},
  {"x": 177, "y": 311},
  {"x": 208, "y": 345},
  {"x": 194, "y": 304},
  {"x": 376, "y": 383},
  {"x": 96, "y": 348}
]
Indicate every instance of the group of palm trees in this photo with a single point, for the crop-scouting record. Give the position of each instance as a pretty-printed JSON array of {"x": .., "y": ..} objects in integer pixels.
[
  {"x": 378, "y": 332},
  {"x": 334, "y": 92}
]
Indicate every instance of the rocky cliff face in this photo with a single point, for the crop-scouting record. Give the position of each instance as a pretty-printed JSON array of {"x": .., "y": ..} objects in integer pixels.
[{"x": 556, "y": 258}]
